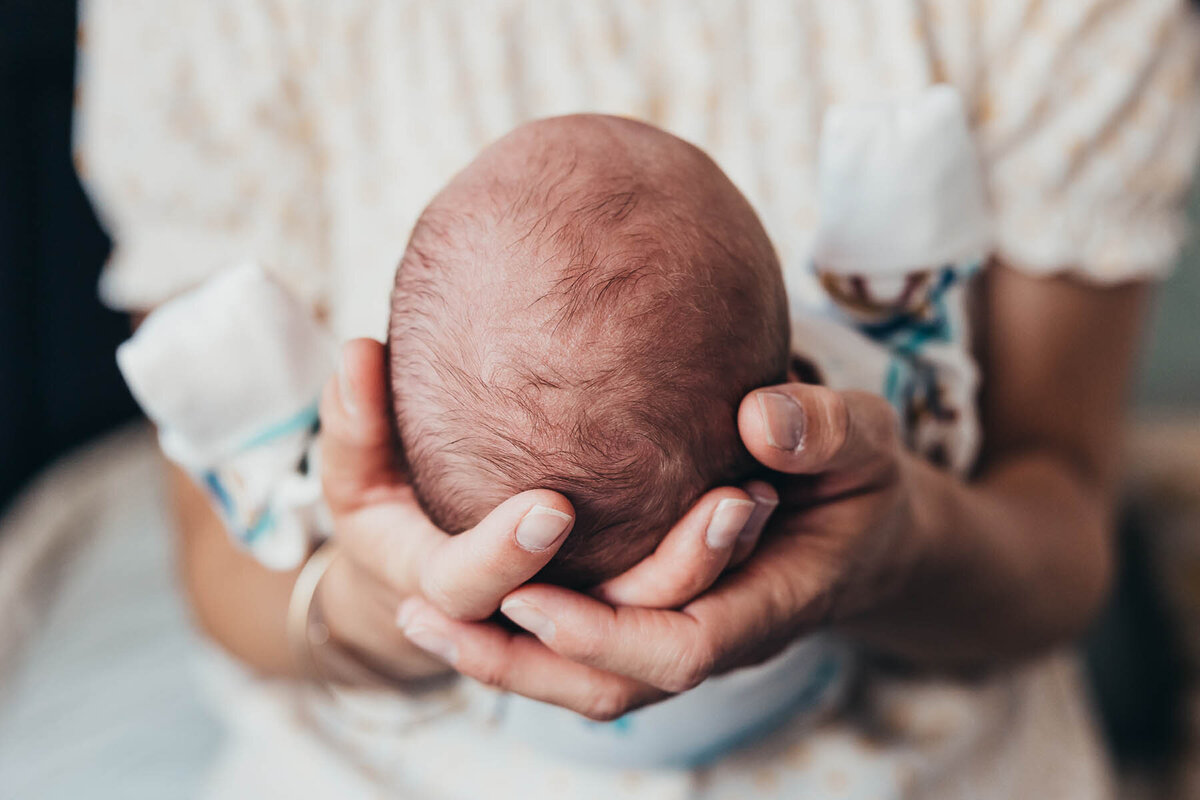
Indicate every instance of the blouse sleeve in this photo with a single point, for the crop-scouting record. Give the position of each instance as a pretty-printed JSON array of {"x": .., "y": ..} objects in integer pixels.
[
  {"x": 197, "y": 146},
  {"x": 1088, "y": 113}
]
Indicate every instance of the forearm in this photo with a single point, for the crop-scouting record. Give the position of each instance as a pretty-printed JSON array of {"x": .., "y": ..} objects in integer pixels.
[
  {"x": 239, "y": 603},
  {"x": 1020, "y": 558},
  {"x": 1016, "y": 561}
]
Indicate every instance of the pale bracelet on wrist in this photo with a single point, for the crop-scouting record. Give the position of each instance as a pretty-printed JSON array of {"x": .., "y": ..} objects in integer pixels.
[
  {"x": 321, "y": 659},
  {"x": 338, "y": 674}
]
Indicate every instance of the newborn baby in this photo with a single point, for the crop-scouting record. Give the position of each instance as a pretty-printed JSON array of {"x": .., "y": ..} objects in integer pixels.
[{"x": 582, "y": 309}]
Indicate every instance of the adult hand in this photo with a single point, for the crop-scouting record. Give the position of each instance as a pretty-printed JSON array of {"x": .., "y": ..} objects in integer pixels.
[
  {"x": 843, "y": 538},
  {"x": 390, "y": 550}
]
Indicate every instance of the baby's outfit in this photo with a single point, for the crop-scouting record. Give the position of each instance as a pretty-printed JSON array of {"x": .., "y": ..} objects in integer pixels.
[{"x": 231, "y": 373}]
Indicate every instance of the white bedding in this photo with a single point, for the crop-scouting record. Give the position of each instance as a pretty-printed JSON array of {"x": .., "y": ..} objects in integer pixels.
[{"x": 98, "y": 696}]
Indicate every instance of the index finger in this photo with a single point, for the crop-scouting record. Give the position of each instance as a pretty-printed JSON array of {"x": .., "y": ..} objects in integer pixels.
[
  {"x": 519, "y": 663},
  {"x": 763, "y": 606},
  {"x": 467, "y": 575}
]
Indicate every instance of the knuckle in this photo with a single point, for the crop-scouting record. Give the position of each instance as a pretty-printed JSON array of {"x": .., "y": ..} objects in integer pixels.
[
  {"x": 494, "y": 671},
  {"x": 449, "y": 603},
  {"x": 692, "y": 669},
  {"x": 491, "y": 674},
  {"x": 877, "y": 417},
  {"x": 835, "y": 421},
  {"x": 585, "y": 649},
  {"x": 583, "y": 646},
  {"x": 605, "y": 703}
]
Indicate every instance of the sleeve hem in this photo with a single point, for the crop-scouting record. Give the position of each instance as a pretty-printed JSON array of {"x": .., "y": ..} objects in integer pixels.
[{"x": 1104, "y": 249}]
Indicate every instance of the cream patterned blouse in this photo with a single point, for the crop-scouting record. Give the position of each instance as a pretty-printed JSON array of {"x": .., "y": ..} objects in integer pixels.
[{"x": 309, "y": 134}]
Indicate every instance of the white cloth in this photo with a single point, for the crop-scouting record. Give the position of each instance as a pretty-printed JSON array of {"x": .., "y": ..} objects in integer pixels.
[
  {"x": 231, "y": 372},
  {"x": 310, "y": 135},
  {"x": 899, "y": 187},
  {"x": 98, "y": 692}
]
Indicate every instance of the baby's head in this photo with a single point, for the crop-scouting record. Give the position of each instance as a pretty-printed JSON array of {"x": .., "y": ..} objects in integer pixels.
[{"x": 582, "y": 309}]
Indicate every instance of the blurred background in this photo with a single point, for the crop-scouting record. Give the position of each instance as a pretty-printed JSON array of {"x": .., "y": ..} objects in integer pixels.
[
  {"x": 59, "y": 391},
  {"x": 58, "y": 381}
]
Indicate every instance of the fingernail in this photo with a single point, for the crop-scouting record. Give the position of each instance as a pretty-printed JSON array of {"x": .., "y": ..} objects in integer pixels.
[
  {"x": 760, "y": 497},
  {"x": 541, "y": 527},
  {"x": 349, "y": 402},
  {"x": 728, "y": 519},
  {"x": 529, "y": 618},
  {"x": 783, "y": 420},
  {"x": 433, "y": 643},
  {"x": 405, "y": 613},
  {"x": 763, "y": 507}
]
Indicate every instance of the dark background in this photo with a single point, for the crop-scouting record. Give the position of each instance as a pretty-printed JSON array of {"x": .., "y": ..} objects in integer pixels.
[
  {"x": 58, "y": 380},
  {"x": 59, "y": 385}
]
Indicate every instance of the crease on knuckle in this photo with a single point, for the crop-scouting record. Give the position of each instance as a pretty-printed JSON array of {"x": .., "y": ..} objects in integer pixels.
[
  {"x": 495, "y": 671},
  {"x": 693, "y": 667},
  {"x": 452, "y": 604},
  {"x": 585, "y": 649},
  {"x": 588, "y": 643}
]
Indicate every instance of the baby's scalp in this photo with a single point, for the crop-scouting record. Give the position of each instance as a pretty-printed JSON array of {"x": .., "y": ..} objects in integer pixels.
[{"x": 581, "y": 309}]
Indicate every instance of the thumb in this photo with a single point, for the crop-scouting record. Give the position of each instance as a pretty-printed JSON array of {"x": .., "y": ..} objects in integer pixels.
[
  {"x": 358, "y": 448},
  {"x": 802, "y": 429}
]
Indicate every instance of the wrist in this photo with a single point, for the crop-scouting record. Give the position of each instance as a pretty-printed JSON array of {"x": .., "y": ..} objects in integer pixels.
[
  {"x": 330, "y": 659},
  {"x": 919, "y": 553},
  {"x": 361, "y": 626},
  {"x": 930, "y": 541}
]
